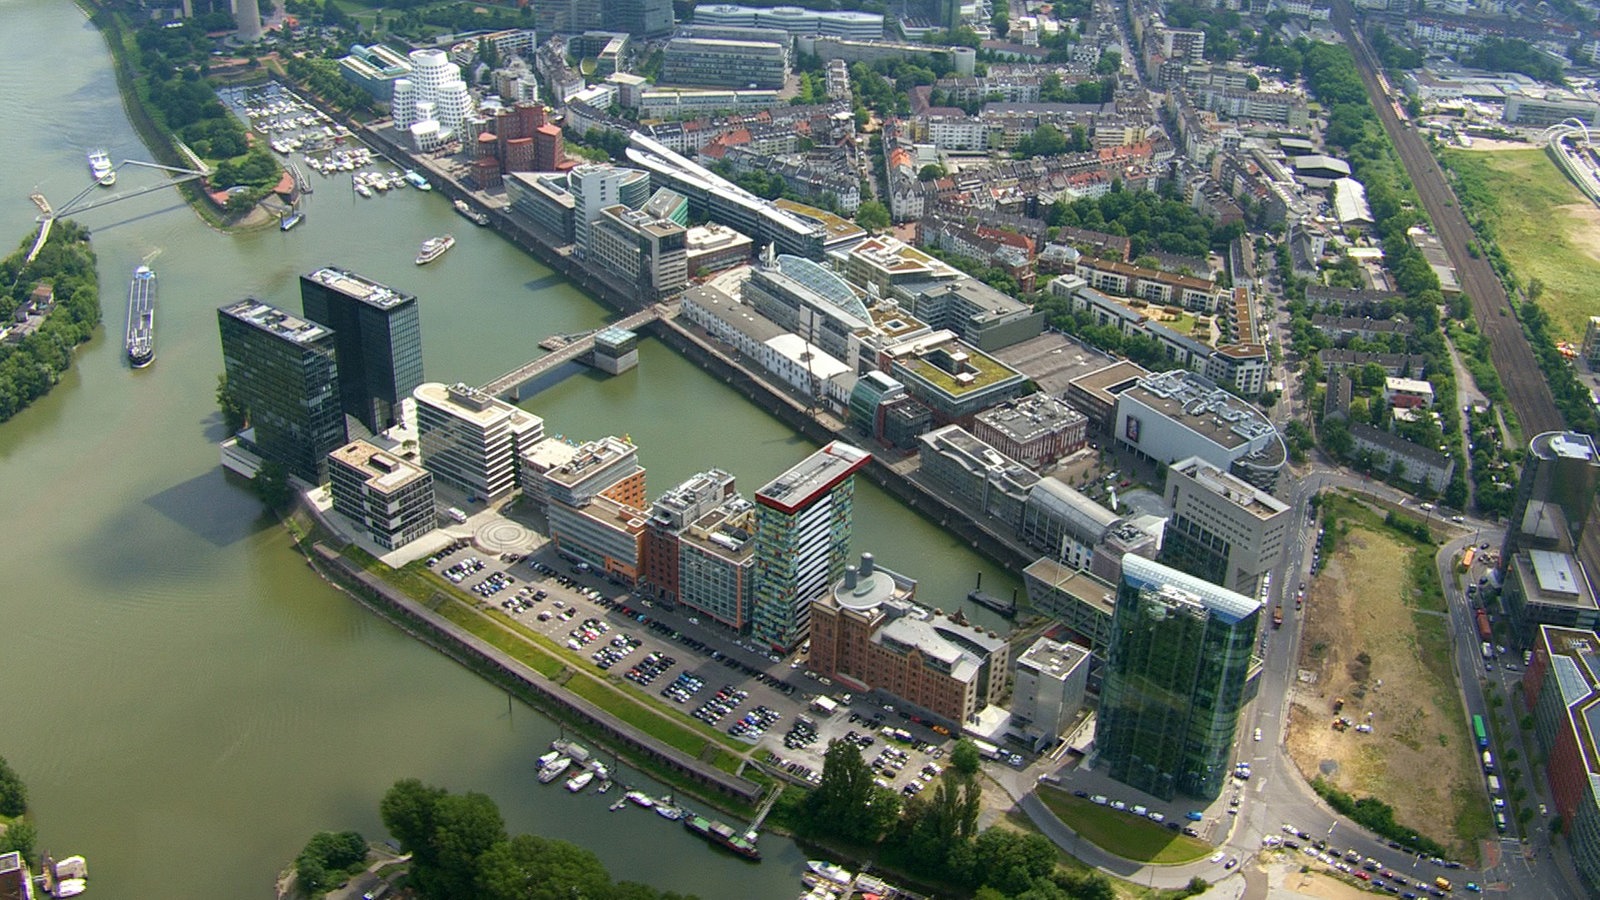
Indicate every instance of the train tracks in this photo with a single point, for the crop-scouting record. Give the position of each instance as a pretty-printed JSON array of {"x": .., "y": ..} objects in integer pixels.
[{"x": 1509, "y": 349}]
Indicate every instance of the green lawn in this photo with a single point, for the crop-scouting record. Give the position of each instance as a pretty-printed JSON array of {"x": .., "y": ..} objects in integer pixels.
[
  {"x": 1124, "y": 834},
  {"x": 1520, "y": 193},
  {"x": 646, "y": 720}
]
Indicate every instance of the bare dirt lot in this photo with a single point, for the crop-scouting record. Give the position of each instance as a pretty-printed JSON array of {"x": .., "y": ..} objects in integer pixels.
[{"x": 1364, "y": 643}]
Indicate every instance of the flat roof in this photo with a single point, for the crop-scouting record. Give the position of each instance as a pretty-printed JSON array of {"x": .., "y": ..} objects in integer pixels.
[
  {"x": 1031, "y": 417},
  {"x": 1150, "y": 575},
  {"x": 1079, "y": 584},
  {"x": 372, "y": 293},
  {"x": 276, "y": 322},
  {"x": 1201, "y": 406},
  {"x": 472, "y": 405},
  {"x": 815, "y": 475},
  {"x": 385, "y": 471},
  {"x": 1100, "y": 381},
  {"x": 1053, "y": 360},
  {"x": 1230, "y": 487},
  {"x": 1053, "y": 659},
  {"x": 1574, "y": 656},
  {"x": 1550, "y": 578},
  {"x": 837, "y": 227},
  {"x": 593, "y": 456}
]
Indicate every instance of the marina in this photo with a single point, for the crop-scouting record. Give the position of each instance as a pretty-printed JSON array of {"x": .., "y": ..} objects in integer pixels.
[{"x": 141, "y": 337}]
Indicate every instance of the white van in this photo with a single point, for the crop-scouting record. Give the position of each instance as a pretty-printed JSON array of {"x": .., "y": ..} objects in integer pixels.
[{"x": 454, "y": 514}]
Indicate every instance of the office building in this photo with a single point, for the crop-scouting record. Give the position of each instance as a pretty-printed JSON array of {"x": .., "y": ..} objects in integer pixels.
[
  {"x": 808, "y": 299},
  {"x": 1547, "y": 587},
  {"x": 868, "y": 634},
  {"x": 391, "y": 499},
  {"x": 962, "y": 468},
  {"x": 374, "y": 69},
  {"x": 597, "y": 186},
  {"x": 1064, "y": 522},
  {"x": 284, "y": 371},
  {"x": 803, "y": 524},
  {"x": 1174, "y": 681},
  {"x": 378, "y": 334},
  {"x": 1174, "y": 415},
  {"x": 432, "y": 102},
  {"x": 953, "y": 379},
  {"x": 1078, "y": 599},
  {"x": 470, "y": 440},
  {"x": 1554, "y": 496},
  {"x": 1047, "y": 690},
  {"x": 1037, "y": 430},
  {"x": 645, "y": 252},
  {"x": 596, "y": 506},
  {"x": 1562, "y": 687},
  {"x": 699, "y": 549},
  {"x": 794, "y": 20},
  {"x": 1222, "y": 528},
  {"x": 716, "y": 62}
]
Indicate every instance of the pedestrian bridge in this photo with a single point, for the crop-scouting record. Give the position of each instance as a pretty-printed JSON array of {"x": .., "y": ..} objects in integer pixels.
[
  {"x": 83, "y": 202},
  {"x": 509, "y": 386}
]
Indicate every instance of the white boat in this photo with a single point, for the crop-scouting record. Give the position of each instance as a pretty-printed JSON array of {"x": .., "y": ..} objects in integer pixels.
[
  {"x": 605, "y": 786},
  {"x": 549, "y": 758},
  {"x": 100, "y": 167},
  {"x": 640, "y": 798},
  {"x": 363, "y": 190},
  {"x": 433, "y": 248},
  {"x": 417, "y": 181},
  {"x": 666, "y": 810},
  {"x": 554, "y": 770},
  {"x": 70, "y": 887},
  {"x": 833, "y": 873},
  {"x": 579, "y": 781}
]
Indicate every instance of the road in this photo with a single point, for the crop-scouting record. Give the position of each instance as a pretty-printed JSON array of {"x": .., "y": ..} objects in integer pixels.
[
  {"x": 1276, "y": 795},
  {"x": 1508, "y": 347}
]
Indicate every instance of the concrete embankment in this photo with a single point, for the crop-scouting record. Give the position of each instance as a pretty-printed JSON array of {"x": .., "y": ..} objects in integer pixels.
[{"x": 530, "y": 686}]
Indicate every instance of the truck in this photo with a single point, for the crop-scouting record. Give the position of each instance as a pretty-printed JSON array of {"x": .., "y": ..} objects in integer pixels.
[
  {"x": 1494, "y": 784},
  {"x": 1485, "y": 634},
  {"x": 455, "y": 514},
  {"x": 986, "y": 749},
  {"x": 1488, "y": 763},
  {"x": 1277, "y": 616},
  {"x": 825, "y": 705}
]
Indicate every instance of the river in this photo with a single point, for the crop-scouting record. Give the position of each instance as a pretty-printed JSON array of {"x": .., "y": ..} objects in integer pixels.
[{"x": 186, "y": 700}]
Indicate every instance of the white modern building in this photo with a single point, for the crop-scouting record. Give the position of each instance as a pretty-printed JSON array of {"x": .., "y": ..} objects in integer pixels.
[
  {"x": 1222, "y": 529},
  {"x": 857, "y": 25},
  {"x": 1047, "y": 690},
  {"x": 432, "y": 102},
  {"x": 471, "y": 440}
]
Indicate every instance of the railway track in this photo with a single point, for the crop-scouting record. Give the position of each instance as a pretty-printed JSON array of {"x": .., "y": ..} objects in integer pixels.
[{"x": 1509, "y": 349}]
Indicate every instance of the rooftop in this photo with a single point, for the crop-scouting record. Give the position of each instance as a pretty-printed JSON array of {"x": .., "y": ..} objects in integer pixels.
[
  {"x": 275, "y": 321},
  {"x": 1574, "y": 657},
  {"x": 1553, "y": 579},
  {"x": 1564, "y": 445},
  {"x": 594, "y": 456},
  {"x": 1052, "y": 658},
  {"x": 385, "y": 472},
  {"x": 472, "y": 405},
  {"x": 1198, "y": 403},
  {"x": 950, "y": 366},
  {"x": 838, "y": 228},
  {"x": 1080, "y": 584},
  {"x": 1031, "y": 417},
  {"x": 815, "y": 475},
  {"x": 1108, "y": 381},
  {"x": 364, "y": 289},
  {"x": 1146, "y": 574},
  {"x": 1230, "y": 487}
]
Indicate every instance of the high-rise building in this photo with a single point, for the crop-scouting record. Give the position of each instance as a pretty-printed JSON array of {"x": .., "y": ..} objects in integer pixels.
[
  {"x": 646, "y": 252},
  {"x": 1550, "y": 559},
  {"x": 1222, "y": 528},
  {"x": 803, "y": 523},
  {"x": 284, "y": 371},
  {"x": 595, "y": 186},
  {"x": 471, "y": 440},
  {"x": 1174, "y": 681},
  {"x": 378, "y": 333},
  {"x": 391, "y": 499},
  {"x": 1562, "y": 689}
]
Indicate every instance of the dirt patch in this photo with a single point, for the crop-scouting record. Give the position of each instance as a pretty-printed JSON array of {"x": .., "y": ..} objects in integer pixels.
[
  {"x": 1489, "y": 145},
  {"x": 1361, "y": 644}
]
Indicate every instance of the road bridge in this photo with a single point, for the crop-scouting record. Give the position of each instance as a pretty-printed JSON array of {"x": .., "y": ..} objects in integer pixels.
[{"x": 509, "y": 385}]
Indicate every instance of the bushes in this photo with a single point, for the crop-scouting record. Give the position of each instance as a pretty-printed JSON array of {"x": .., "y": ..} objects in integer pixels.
[
  {"x": 13, "y": 793},
  {"x": 326, "y": 857},
  {"x": 1376, "y": 816}
]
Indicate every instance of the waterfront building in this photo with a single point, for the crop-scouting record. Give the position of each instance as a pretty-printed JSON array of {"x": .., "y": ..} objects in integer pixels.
[
  {"x": 595, "y": 503},
  {"x": 714, "y": 62},
  {"x": 432, "y": 103},
  {"x": 1175, "y": 680},
  {"x": 544, "y": 202},
  {"x": 806, "y": 298},
  {"x": 389, "y": 498},
  {"x": 954, "y": 380},
  {"x": 1174, "y": 415},
  {"x": 471, "y": 440},
  {"x": 872, "y": 390},
  {"x": 597, "y": 186},
  {"x": 699, "y": 549},
  {"x": 378, "y": 333},
  {"x": 714, "y": 198},
  {"x": 1047, "y": 690},
  {"x": 868, "y": 634},
  {"x": 16, "y": 882},
  {"x": 284, "y": 371},
  {"x": 1222, "y": 528},
  {"x": 1062, "y": 521},
  {"x": 803, "y": 526},
  {"x": 1037, "y": 430},
  {"x": 1077, "y": 599},
  {"x": 1562, "y": 690},
  {"x": 712, "y": 248},
  {"x": 645, "y": 252},
  {"x": 960, "y": 467}
]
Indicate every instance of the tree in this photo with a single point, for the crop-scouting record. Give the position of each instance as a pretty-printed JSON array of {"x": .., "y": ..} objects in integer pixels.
[
  {"x": 21, "y": 836},
  {"x": 843, "y": 802},
  {"x": 1012, "y": 861},
  {"x": 964, "y": 757},
  {"x": 529, "y": 867},
  {"x": 272, "y": 486},
  {"x": 466, "y": 826},
  {"x": 872, "y": 215},
  {"x": 328, "y": 855},
  {"x": 13, "y": 793},
  {"x": 234, "y": 415},
  {"x": 930, "y": 171}
]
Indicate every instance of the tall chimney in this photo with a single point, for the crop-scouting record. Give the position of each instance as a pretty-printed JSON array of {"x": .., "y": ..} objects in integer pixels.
[{"x": 866, "y": 564}]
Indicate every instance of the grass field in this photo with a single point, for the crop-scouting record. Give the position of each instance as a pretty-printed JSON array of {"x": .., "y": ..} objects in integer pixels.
[
  {"x": 1376, "y": 636},
  {"x": 1544, "y": 225},
  {"x": 1126, "y": 835}
]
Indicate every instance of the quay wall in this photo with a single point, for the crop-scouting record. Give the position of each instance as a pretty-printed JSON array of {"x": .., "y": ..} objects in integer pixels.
[{"x": 528, "y": 684}]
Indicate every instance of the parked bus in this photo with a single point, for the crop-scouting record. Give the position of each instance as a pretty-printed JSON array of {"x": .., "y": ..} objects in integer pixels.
[
  {"x": 1468, "y": 557},
  {"x": 1479, "y": 733}
]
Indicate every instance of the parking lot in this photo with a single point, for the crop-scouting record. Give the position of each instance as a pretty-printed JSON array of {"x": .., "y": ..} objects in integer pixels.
[{"x": 705, "y": 671}]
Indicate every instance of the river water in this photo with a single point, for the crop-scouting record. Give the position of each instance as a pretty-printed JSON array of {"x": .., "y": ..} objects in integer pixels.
[{"x": 185, "y": 699}]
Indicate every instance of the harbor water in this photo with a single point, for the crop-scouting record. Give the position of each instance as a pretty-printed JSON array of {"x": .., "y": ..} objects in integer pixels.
[{"x": 186, "y": 700}]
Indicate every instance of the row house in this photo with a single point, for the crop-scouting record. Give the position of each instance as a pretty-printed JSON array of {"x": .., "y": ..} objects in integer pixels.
[{"x": 1150, "y": 285}]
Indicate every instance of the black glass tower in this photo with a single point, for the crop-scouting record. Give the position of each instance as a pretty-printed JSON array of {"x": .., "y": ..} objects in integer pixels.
[
  {"x": 378, "y": 332},
  {"x": 284, "y": 371}
]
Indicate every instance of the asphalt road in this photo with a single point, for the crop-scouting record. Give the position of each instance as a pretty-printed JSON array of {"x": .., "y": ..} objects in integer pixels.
[{"x": 1508, "y": 347}]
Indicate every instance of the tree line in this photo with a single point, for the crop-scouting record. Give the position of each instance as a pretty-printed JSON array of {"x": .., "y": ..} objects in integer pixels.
[
  {"x": 20, "y": 835},
  {"x": 31, "y": 367},
  {"x": 934, "y": 834}
]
